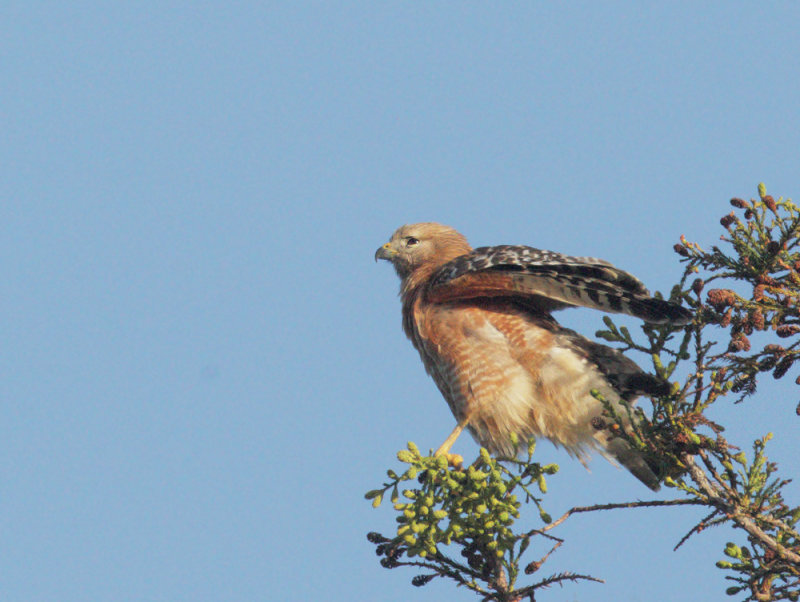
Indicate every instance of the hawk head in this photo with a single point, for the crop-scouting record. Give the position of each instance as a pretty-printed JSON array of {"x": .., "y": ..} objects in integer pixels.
[{"x": 422, "y": 246}]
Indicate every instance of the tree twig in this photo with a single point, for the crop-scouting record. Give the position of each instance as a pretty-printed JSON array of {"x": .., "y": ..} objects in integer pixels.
[
  {"x": 734, "y": 512},
  {"x": 616, "y": 506}
]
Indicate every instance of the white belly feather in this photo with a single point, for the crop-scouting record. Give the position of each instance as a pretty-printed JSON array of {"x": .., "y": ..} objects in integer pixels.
[{"x": 549, "y": 399}]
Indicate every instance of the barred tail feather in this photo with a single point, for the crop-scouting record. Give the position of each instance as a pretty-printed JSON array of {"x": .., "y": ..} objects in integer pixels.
[{"x": 621, "y": 451}]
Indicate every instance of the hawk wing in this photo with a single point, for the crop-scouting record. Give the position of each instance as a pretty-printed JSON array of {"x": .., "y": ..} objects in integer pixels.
[{"x": 548, "y": 281}]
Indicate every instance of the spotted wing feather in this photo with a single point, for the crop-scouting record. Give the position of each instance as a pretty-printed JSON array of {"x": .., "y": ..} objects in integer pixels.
[{"x": 550, "y": 281}]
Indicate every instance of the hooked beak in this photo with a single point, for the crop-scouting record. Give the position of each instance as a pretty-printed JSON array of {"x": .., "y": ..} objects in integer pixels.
[{"x": 385, "y": 252}]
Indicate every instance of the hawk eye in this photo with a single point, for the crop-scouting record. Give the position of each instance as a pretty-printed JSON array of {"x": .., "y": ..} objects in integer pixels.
[{"x": 411, "y": 241}]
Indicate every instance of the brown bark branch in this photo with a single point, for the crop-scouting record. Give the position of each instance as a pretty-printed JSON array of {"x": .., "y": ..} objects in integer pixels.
[
  {"x": 731, "y": 510},
  {"x": 616, "y": 506}
]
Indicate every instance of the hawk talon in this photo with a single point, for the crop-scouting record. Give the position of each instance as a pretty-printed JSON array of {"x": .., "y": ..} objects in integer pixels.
[{"x": 455, "y": 460}]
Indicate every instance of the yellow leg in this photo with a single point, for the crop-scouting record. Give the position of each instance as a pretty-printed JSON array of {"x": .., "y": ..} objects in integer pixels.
[{"x": 444, "y": 448}]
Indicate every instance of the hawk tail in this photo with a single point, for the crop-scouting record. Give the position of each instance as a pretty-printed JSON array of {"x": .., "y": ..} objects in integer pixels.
[{"x": 621, "y": 451}]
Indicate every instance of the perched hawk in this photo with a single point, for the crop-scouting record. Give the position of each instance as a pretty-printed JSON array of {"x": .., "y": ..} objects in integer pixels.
[{"x": 480, "y": 319}]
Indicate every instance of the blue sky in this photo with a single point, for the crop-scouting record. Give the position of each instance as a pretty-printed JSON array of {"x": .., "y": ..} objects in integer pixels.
[{"x": 202, "y": 368}]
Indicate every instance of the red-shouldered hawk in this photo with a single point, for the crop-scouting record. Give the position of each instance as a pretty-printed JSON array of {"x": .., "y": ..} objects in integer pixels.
[{"x": 480, "y": 319}]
